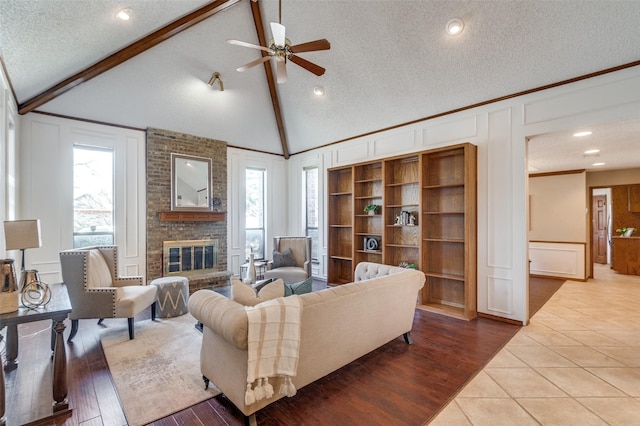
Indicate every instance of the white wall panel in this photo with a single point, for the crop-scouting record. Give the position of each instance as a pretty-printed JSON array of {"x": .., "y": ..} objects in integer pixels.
[
  {"x": 583, "y": 100},
  {"x": 43, "y": 185},
  {"x": 499, "y": 180},
  {"x": 454, "y": 131},
  {"x": 132, "y": 194},
  {"x": 390, "y": 144},
  {"x": 235, "y": 220},
  {"x": 500, "y": 296},
  {"x": 135, "y": 212},
  {"x": 563, "y": 260},
  {"x": 351, "y": 153}
]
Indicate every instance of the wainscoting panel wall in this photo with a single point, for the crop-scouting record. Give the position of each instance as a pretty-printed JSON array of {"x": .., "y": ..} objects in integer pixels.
[
  {"x": 46, "y": 187},
  {"x": 562, "y": 260},
  {"x": 500, "y": 131}
]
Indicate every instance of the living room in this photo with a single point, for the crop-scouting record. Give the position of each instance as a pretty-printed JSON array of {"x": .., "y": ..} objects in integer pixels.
[{"x": 37, "y": 181}]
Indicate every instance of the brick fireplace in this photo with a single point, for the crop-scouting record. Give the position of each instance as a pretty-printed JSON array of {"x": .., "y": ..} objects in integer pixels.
[{"x": 160, "y": 145}]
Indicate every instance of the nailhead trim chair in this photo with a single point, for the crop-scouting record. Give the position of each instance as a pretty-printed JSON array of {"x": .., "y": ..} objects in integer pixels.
[{"x": 97, "y": 291}]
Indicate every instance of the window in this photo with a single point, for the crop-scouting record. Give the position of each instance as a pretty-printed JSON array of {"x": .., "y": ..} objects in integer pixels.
[
  {"x": 254, "y": 212},
  {"x": 92, "y": 196},
  {"x": 310, "y": 179}
]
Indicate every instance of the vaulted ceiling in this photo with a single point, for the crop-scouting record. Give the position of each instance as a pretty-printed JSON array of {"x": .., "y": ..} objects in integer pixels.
[{"x": 390, "y": 62}]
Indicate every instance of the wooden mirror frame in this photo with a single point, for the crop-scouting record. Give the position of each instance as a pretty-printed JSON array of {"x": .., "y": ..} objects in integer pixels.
[{"x": 179, "y": 174}]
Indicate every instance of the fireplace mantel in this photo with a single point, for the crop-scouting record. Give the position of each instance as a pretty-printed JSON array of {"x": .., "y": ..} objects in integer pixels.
[{"x": 187, "y": 216}]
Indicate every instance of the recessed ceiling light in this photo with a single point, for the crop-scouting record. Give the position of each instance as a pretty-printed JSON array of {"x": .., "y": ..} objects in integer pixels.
[
  {"x": 579, "y": 134},
  {"x": 123, "y": 14},
  {"x": 591, "y": 152},
  {"x": 454, "y": 26},
  {"x": 598, "y": 164},
  {"x": 318, "y": 91}
]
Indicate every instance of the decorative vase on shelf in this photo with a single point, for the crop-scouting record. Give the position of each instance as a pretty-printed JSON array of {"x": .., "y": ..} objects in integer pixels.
[{"x": 251, "y": 271}]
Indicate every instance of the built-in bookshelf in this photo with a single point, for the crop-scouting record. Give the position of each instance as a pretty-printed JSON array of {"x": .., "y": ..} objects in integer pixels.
[
  {"x": 340, "y": 226},
  {"x": 427, "y": 220}
]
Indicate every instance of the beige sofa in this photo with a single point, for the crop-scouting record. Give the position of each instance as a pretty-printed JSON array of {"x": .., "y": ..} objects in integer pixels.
[{"x": 338, "y": 325}]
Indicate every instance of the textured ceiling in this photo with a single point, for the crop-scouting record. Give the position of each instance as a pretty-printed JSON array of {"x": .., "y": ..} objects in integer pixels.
[{"x": 390, "y": 61}]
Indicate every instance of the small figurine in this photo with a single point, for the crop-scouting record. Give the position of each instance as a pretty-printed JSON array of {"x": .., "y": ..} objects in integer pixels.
[{"x": 412, "y": 220}]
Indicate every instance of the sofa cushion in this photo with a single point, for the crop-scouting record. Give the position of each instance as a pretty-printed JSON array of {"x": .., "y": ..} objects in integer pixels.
[
  {"x": 246, "y": 295},
  {"x": 283, "y": 259},
  {"x": 98, "y": 274},
  {"x": 298, "y": 288}
]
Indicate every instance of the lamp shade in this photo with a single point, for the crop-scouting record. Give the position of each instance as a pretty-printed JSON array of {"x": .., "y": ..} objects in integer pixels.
[{"x": 22, "y": 234}]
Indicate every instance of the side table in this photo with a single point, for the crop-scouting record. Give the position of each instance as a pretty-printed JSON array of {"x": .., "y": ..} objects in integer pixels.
[
  {"x": 56, "y": 310},
  {"x": 261, "y": 266}
]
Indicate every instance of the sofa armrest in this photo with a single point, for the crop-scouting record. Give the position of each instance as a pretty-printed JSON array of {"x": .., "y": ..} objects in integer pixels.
[
  {"x": 126, "y": 281},
  {"x": 221, "y": 315}
]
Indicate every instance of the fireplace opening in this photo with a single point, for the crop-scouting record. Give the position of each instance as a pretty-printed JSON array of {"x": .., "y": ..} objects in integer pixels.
[{"x": 190, "y": 257}]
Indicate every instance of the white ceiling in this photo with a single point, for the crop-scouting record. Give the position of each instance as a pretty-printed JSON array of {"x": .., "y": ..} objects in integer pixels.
[{"x": 390, "y": 62}]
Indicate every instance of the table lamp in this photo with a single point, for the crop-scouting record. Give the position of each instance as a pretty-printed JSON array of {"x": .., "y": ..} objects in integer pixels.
[{"x": 21, "y": 235}]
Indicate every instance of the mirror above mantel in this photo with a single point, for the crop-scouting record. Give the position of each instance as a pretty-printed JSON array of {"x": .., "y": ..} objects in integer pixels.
[{"x": 190, "y": 183}]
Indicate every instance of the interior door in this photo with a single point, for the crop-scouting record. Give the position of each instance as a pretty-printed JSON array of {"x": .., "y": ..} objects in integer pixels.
[{"x": 599, "y": 226}]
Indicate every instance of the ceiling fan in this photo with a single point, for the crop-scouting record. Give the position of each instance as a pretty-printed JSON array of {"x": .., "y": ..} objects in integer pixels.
[{"x": 282, "y": 51}]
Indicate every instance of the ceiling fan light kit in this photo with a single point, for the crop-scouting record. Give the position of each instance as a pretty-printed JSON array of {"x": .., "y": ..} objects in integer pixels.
[{"x": 281, "y": 50}]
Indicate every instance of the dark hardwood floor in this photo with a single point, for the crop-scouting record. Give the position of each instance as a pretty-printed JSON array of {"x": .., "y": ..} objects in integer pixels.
[
  {"x": 397, "y": 384},
  {"x": 540, "y": 290}
]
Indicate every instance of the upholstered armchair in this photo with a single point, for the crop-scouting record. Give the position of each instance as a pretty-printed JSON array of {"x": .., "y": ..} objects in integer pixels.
[
  {"x": 291, "y": 259},
  {"x": 97, "y": 291}
]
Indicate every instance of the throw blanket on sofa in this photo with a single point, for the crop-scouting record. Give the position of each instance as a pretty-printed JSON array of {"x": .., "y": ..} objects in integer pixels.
[{"x": 273, "y": 345}]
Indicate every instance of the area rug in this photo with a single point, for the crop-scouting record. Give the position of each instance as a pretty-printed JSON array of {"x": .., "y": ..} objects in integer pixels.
[{"x": 158, "y": 372}]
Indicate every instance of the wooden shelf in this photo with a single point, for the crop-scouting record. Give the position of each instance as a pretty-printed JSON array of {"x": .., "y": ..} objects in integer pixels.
[
  {"x": 410, "y": 246},
  {"x": 338, "y": 257},
  {"x": 402, "y": 183},
  {"x": 442, "y": 309},
  {"x": 438, "y": 188},
  {"x": 187, "y": 216}
]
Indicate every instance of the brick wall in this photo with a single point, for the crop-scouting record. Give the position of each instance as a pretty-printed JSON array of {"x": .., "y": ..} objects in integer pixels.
[{"x": 160, "y": 145}]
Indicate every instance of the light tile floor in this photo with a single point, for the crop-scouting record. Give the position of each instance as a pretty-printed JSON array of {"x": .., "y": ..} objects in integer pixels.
[{"x": 577, "y": 363}]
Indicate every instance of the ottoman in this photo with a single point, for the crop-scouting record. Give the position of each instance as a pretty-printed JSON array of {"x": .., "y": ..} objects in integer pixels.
[{"x": 172, "y": 297}]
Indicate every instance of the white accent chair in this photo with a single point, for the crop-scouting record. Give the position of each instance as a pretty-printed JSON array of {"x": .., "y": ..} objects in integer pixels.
[
  {"x": 301, "y": 250},
  {"x": 97, "y": 291}
]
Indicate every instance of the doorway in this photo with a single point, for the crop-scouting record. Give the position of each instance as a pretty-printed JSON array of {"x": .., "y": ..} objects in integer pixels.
[{"x": 600, "y": 228}]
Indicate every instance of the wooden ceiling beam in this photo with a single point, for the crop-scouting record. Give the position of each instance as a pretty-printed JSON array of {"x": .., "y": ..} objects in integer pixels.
[
  {"x": 275, "y": 101},
  {"x": 126, "y": 53}
]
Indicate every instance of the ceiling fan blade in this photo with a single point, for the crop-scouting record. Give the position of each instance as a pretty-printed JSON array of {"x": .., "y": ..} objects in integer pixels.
[
  {"x": 309, "y": 66},
  {"x": 277, "y": 30},
  {"x": 253, "y": 63},
  {"x": 310, "y": 46},
  {"x": 245, "y": 44},
  {"x": 281, "y": 71}
]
